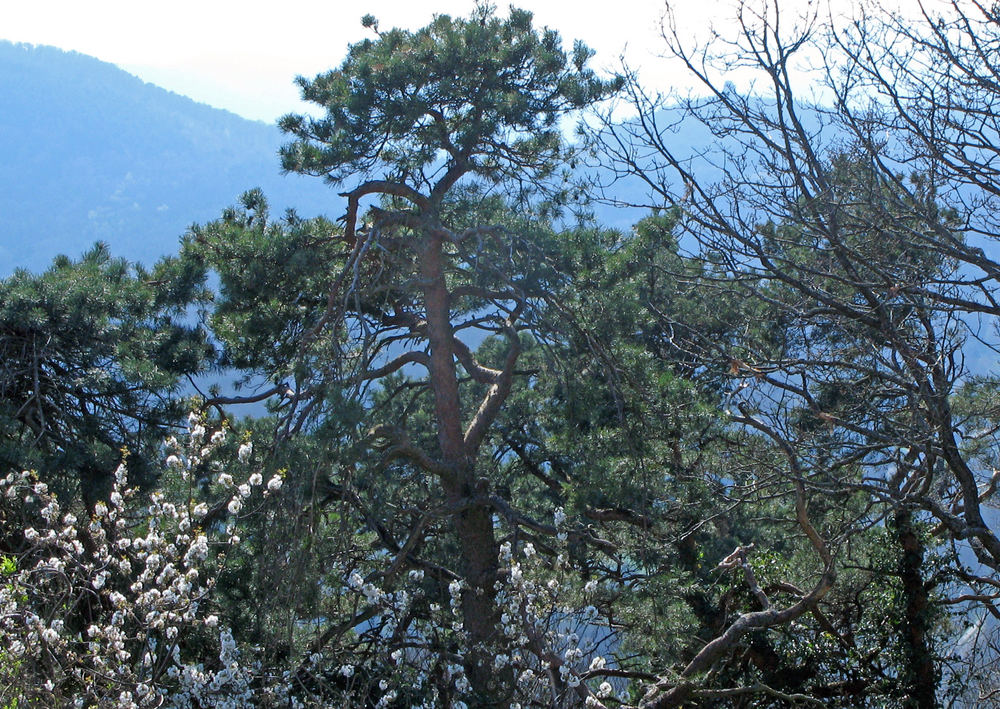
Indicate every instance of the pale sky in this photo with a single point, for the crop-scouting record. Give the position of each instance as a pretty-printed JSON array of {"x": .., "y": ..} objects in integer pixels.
[{"x": 243, "y": 55}]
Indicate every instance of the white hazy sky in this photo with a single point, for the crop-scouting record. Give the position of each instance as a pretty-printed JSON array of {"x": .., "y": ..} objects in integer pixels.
[{"x": 242, "y": 55}]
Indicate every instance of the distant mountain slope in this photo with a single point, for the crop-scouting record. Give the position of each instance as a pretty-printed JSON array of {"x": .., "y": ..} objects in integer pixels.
[{"x": 91, "y": 152}]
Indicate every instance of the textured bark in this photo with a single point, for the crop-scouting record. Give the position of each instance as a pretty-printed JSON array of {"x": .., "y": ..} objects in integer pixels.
[
  {"x": 474, "y": 523},
  {"x": 474, "y": 527},
  {"x": 920, "y": 674},
  {"x": 443, "y": 375}
]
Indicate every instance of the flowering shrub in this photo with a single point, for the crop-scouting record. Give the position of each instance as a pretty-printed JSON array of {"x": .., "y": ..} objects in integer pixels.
[
  {"x": 115, "y": 610},
  {"x": 549, "y": 645},
  {"x": 554, "y": 632}
]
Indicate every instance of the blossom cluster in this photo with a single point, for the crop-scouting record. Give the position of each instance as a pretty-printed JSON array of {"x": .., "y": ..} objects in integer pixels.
[
  {"x": 115, "y": 610},
  {"x": 114, "y": 607},
  {"x": 553, "y": 643},
  {"x": 553, "y": 632}
]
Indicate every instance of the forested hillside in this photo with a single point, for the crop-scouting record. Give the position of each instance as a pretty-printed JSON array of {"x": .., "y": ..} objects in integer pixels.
[
  {"x": 93, "y": 153},
  {"x": 736, "y": 454}
]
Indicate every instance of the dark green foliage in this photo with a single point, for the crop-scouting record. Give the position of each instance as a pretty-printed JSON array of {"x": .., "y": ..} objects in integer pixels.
[
  {"x": 484, "y": 93},
  {"x": 273, "y": 278},
  {"x": 92, "y": 353}
]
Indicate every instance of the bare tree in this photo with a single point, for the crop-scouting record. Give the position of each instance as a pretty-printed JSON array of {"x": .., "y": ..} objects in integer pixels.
[{"x": 855, "y": 196}]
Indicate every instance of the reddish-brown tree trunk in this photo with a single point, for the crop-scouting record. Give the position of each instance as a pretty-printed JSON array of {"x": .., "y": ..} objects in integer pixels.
[{"x": 474, "y": 522}]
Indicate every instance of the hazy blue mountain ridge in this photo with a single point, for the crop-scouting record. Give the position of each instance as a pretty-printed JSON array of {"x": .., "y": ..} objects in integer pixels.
[{"x": 91, "y": 152}]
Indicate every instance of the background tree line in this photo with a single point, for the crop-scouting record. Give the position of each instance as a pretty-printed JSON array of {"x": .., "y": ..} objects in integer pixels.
[{"x": 742, "y": 455}]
